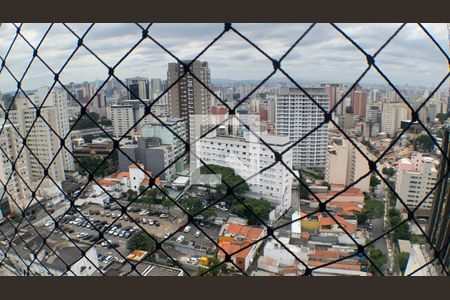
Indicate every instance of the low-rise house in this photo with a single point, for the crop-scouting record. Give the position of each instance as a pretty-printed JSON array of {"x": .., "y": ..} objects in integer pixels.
[{"x": 241, "y": 242}]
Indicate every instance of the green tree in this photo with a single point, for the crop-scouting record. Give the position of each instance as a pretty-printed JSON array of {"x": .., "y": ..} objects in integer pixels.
[
  {"x": 105, "y": 122},
  {"x": 374, "y": 209},
  {"x": 378, "y": 258},
  {"x": 193, "y": 205},
  {"x": 141, "y": 241},
  {"x": 374, "y": 182},
  {"x": 401, "y": 260},
  {"x": 208, "y": 213},
  {"x": 324, "y": 183},
  {"x": 424, "y": 143},
  {"x": 85, "y": 122},
  {"x": 228, "y": 176},
  {"x": 402, "y": 232},
  {"x": 388, "y": 171},
  {"x": 101, "y": 166},
  {"x": 167, "y": 203},
  {"x": 131, "y": 194},
  {"x": 303, "y": 192},
  {"x": 442, "y": 117},
  {"x": 258, "y": 207},
  {"x": 141, "y": 189}
]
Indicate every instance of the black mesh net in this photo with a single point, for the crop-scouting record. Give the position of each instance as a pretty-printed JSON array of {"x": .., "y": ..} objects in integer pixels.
[{"x": 98, "y": 210}]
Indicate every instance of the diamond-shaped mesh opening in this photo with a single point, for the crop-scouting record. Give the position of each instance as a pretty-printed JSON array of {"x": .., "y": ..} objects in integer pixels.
[{"x": 107, "y": 168}]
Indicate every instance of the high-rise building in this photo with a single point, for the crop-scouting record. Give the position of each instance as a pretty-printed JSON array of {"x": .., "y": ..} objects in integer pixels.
[
  {"x": 359, "y": 103},
  {"x": 345, "y": 164},
  {"x": 139, "y": 88},
  {"x": 188, "y": 98},
  {"x": 374, "y": 114},
  {"x": 334, "y": 95},
  {"x": 392, "y": 113},
  {"x": 155, "y": 87},
  {"x": 43, "y": 143},
  {"x": 16, "y": 191},
  {"x": 62, "y": 110},
  {"x": 415, "y": 179},
  {"x": 129, "y": 114},
  {"x": 171, "y": 132},
  {"x": 296, "y": 116},
  {"x": 247, "y": 155}
]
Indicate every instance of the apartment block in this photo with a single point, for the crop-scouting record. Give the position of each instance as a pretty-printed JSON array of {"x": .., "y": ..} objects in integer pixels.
[
  {"x": 16, "y": 191},
  {"x": 415, "y": 178},
  {"x": 139, "y": 87},
  {"x": 43, "y": 143},
  {"x": 296, "y": 116},
  {"x": 345, "y": 164},
  {"x": 188, "y": 98},
  {"x": 171, "y": 131},
  {"x": 248, "y": 156},
  {"x": 128, "y": 116},
  {"x": 392, "y": 113}
]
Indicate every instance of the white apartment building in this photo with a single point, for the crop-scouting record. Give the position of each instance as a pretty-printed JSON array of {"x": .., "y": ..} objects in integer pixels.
[
  {"x": 122, "y": 118},
  {"x": 415, "y": 178},
  {"x": 16, "y": 192},
  {"x": 296, "y": 115},
  {"x": 42, "y": 143},
  {"x": 345, "y": 164},
  {"x": 130, "y": 112},
  {"x": 392, "y": 113},
  {"x": 248, "y": 156}
]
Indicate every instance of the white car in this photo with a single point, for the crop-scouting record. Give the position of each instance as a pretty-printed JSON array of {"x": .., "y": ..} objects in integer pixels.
[
  {"x": 82, "y": 235},
  {"x": 108, "y": 260},
  {"x": 143, "y": 212},
  {"x": 150, "y": 222},
  {"x": 166, "y": 235},
  {"x": 162, "y": 216},
  {"x": 187, "y": 229},
  {"x": 197, "y": 233},
  {"x": 49, "y": 223},
  {"x": 192, "y": 260},
  {"x": 180, "y": 239}
]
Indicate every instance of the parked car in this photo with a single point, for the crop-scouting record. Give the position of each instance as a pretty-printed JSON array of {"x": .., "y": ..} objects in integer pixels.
[
  {"x": 144, "y": 221},
  {"x": 156, "y": 223},
  {"x": 163, "y": 216},
  {"x": 143, "y": 212},
  {"x": 166, "y": 235},
  {"x": 197, "y": 233},
  {"x": 192, "y": 260},
  {"x": 180, "y": 239},
  {"x": 49, "y": 223},
  {"x": 150, "y": 222},
  {"x": 187, "y": 229},
  {"x": 127, "y": 234},
  {"x": 108, "y": 260}
]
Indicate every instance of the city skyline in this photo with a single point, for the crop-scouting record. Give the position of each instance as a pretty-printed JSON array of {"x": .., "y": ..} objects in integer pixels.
[{"x": 323, "y": 55}]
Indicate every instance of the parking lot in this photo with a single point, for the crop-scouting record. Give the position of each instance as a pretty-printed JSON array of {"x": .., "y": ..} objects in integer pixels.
[{"x": 105, "y": 220}]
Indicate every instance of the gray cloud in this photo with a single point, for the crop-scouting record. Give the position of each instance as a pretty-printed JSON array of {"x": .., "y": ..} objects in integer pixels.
[{"x": 324, "y": 54}]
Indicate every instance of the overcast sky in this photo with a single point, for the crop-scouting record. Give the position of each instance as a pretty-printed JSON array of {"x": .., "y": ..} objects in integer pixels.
[{"x": 323, "y": 55}]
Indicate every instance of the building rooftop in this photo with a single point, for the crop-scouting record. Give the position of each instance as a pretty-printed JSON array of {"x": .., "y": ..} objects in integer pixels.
[{"x": 142, "y": 269}]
